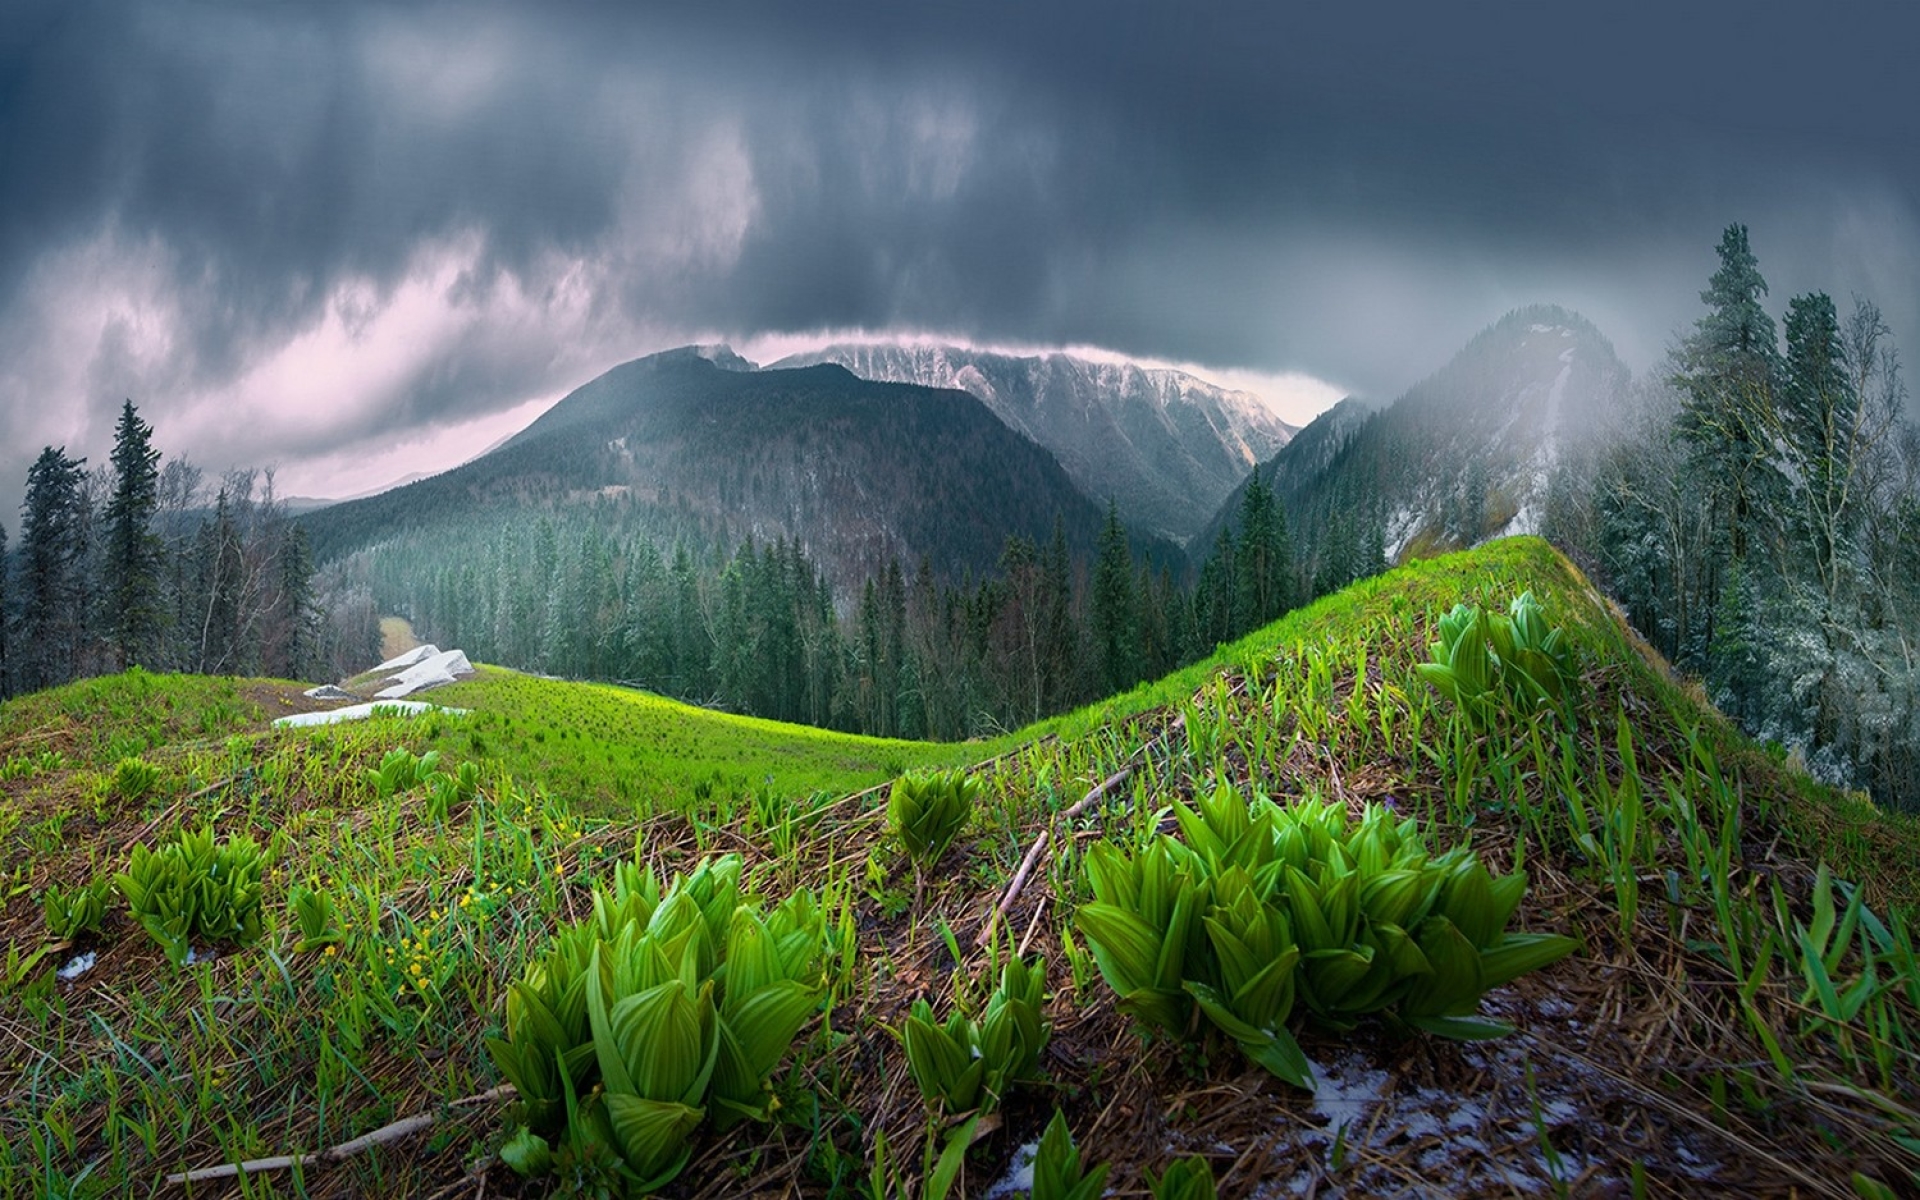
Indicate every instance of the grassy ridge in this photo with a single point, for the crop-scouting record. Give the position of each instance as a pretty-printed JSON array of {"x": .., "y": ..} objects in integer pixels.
[
  {"x": 610, "y": 749},
  {"x": 1688, "y": 1045}
]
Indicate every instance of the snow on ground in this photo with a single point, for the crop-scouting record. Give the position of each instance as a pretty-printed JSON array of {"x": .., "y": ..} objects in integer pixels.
[
  {"x": 360, "y": 712},
  {"x": 403, "y": 661},
  {"x": 1018, "y": 1181},
  {"x": 430, "y": 671}
]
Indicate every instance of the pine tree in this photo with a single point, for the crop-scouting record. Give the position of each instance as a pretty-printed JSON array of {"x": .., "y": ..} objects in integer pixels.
[
  {"x": 1115, "y": 617},
  {"x": 1213, "y": 596},
  {"x": 52, "y": 547},
  {"x": 6, "y": 620},
  {"x": 134, "y": 555},
  {"x": 299, "y": 639},
  {"x": 1059, "y": 636},
  {"x": 1729, "y": 368},
  {"x": 1263, "y": 559},
  {"x": 1818, "y": 413}
]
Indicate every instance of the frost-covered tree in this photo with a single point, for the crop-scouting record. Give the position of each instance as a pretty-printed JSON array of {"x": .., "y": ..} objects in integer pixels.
[{"x": 1728, "y": 369}]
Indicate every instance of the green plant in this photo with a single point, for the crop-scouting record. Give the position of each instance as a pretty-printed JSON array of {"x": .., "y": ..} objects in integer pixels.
[
  {"x": 654, "y": 1013},
  {"x": 444, "y": 790},
  {"x": 926, "y": 811},
  {"x": 964, "y": 1064},
  {"x": 133, "y": 778},
  {"x": 1518, "y": 659},
  {"x": 193, "y": 888},
  {"x": 1186, "y": 1179},
  {"x": 1141, "y": 925},
  {"x": 313, "y": 911},
  {"x": 72, "y": 912},
  {"x": 1262, "y": 905},
  {"x": 401, "y": 771},
  {"x": 1058, "y": 1170}
]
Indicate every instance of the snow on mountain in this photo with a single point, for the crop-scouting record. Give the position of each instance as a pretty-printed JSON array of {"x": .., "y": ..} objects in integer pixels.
[
  {"x": 1167, "y": 447},
  {"x": 1465, "y": 455}
]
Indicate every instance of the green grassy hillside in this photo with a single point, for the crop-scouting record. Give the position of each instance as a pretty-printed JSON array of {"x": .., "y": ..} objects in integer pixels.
[{"x": 1735, "y": 1018}]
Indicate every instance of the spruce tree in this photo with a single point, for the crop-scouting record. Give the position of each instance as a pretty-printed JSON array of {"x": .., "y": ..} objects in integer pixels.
[
  {"x": 134, "y": 558},
  {"x": 1214, "y": 594},
  {"x": 1264, "y": 559},
  {"x": 6, "y": 619},
  {"x": 52, "y": 547},
  {"x": 1727, "y": 415},
  {"x": 1818, "y": 410},
  {"x": 1059, "y": 640},
  {"x": 1115, "y": 619},
  {"x": 300, "y": 636}
]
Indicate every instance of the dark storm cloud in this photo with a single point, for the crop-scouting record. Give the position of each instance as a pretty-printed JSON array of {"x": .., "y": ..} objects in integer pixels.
[{"x": 353, "y": 222}]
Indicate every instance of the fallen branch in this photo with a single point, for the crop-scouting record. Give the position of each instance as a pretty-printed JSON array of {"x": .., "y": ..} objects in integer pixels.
[
  {"x": 1099, "y": 792},
  {"x": 406, "y": 1127}
]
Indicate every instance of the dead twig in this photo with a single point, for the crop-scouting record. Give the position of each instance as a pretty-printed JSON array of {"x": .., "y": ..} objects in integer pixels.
[
  {"x": 406, "y": 1127},
  {"x": 1099, "y": 792}
]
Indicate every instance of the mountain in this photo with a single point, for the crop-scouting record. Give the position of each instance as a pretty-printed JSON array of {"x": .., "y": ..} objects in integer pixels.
[
  {"x": 694, "y": 440},
  {"x": 1166, "y": 446},
  {"x": 1465, "y": 455}
]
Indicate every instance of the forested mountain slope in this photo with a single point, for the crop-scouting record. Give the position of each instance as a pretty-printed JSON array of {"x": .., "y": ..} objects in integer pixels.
[
  {"x": 860, "y": 473},
  {"x": 1465, "y": 455},
  {"x": 1165, "y": 446}
]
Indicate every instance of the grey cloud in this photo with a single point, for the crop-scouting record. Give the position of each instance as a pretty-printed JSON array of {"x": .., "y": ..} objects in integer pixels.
[{"x": 1349, "y": 192}]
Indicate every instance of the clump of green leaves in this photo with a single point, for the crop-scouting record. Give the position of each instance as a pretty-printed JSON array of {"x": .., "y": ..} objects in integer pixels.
[
  {"x": 1486, "y": 661},
  {"x": 659, "y": 1011},
  {"x": 194, "y": 888},
  {"x": 70, "y": 912},
  {"x": 1058, "y": 1170},
  {"x": 400, "y": 770},
  {"x": 1262, "y": 906},
  {"x": 966, "y": 1064},
  {"x": 133, "y": 778},
  {"x": 444, "y": 791},
  {"x": 1187, "y": 1179},
  {"x": 313, "y": 912},
  {"x": 927, "y": 810}
]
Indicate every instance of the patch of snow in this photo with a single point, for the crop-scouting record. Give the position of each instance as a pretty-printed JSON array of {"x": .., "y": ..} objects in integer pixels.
[
  {"x": 427, "y": 672},
  {"x": 1400, "y": 528},
  {"x": 327, "y": 691},
  {"x": 1348, "y": 1090},
  {"x": 79, "y": 965},
  {"x": 360, "y": 712},
  {"x": 1018, "y": 1180},
  {"x": 1527, "y": 520},
  {"x": 403, "y": 661}
]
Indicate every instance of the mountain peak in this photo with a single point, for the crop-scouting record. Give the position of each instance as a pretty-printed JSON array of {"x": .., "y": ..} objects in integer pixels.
[
  {"x": 1465, "y": 454},
  {"x": 1165, "y": 445}
]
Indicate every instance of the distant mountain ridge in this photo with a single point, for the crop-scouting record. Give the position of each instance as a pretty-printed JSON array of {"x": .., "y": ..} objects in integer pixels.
[
  {"x": 1463, "y": 456},
  {"x": 1164, "y": 445},
  {"x": 859, "y": 472}
]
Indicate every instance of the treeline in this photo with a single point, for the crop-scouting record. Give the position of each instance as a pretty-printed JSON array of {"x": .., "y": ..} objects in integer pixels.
[
  {"x": 758, "y": 629},
  {"x": 135, "y": 563},
  {"x": 1758, "y": 516}
]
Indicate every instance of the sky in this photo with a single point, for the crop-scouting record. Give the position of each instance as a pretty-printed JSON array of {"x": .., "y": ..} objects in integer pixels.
[{"x": 352, "y": 241}]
